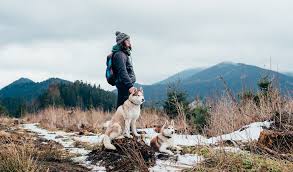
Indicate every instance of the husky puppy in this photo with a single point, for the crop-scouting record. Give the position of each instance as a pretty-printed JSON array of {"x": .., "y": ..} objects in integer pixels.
[
  {"x": 125, "y": 116},
  {"x": 165, "y": 139}
]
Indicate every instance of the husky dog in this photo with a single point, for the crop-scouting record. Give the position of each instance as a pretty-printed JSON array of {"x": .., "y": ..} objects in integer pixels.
[
  {"x": 165, "y": 139},
  {"x": 126, "y": 115}
]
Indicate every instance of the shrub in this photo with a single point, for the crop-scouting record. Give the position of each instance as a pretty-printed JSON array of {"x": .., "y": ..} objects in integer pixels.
[
  {"x": 248, "y": 96},
  {"x": 200, "y": 117},
  {"x": 176, "y": 101}
]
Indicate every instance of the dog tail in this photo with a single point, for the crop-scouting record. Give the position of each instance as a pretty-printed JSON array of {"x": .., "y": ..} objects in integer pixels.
[{"x": 107, "y": 142}]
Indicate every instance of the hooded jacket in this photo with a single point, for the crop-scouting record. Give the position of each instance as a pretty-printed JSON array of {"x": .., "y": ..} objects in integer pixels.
[{"x": 122, "y": 67}]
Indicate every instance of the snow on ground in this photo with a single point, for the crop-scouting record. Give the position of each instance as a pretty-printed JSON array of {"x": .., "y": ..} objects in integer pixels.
[
  {"x": 183, "y": 162},
  {"x": 59, "y": 136},
  {"x": 94, "y": 139},
  {"x": 67, "y": 141},
  {"x": 247, "y": 133}
]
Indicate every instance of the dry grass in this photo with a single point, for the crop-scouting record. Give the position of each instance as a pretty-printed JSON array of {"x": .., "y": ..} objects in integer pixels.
[
  {"x": 31, "y": 156},
  {"x": 227, "y": 115},
  {"x": 22, "y": 151},
  {"x": 18, "y": 158},
  {"x": 70, "y": 120},
  {"x": 93, "y": 120},
  {"x": 7, "y": 121},
  {"x": 150, "y": 118}
]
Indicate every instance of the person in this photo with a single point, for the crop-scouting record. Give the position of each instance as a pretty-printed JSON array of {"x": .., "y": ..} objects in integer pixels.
[{"x": 123, "y": 68}]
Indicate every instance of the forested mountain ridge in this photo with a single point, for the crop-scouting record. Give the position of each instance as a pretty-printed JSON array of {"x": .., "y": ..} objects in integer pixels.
[{"x": 24, "y": 96}]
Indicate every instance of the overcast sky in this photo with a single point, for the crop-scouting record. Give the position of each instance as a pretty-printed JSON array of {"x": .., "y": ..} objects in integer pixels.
[{"x": 70, "y": 39}]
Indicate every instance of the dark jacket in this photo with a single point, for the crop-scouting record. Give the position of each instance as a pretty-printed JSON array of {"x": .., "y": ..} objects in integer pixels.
[{"x": 123, "y": 70}]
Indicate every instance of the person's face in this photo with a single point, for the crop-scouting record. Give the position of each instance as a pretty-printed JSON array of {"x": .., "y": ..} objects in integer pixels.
[{"x": 127, "y": 43}]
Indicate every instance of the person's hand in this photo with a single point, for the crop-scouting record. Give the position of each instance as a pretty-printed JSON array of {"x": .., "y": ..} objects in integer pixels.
[{"x": 132, "y": 90}]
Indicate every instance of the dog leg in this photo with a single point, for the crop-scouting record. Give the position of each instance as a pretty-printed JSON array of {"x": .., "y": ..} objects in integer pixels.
[
  {"x": 164, "y": 149},
  {"x": 107, "y": 143},
  {"x": 133, "y": 127},
  {"x": 111, "y": 133},
  {"x": 127, "y": 128}
]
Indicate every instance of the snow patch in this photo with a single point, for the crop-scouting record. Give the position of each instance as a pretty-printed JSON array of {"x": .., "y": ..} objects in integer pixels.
[
  {"x": 183, "y": 162},
  {"x": 247, "y": 133},
  {"x": 67, "y": 141}
]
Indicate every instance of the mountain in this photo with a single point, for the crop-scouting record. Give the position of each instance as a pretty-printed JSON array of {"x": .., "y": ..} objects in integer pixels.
[
  {"x": 289, "y": 73},
  {"x": 180, "y": 76},
  {"x": 238, "y": 76},
  {"x": 207, "y": 82},
  {"x": 26, "y": 88},
  {"x": 25, "y": 96},
  {"x": 195, "y": 82},
  {"x": 22, "y": 81}
]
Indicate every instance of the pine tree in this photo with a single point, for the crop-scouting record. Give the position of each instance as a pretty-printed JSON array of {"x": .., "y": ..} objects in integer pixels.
[
  {"x": 265, "y": 85},
  {"x": 3, "y": 110},
  {"x": 175, "y": 99}
]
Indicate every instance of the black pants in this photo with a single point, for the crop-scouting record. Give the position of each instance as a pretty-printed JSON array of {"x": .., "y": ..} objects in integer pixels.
[{"x": 123, "y": 95}]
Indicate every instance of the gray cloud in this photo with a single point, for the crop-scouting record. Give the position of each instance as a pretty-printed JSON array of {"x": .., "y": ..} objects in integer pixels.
[{"x": 70, "y": 39}]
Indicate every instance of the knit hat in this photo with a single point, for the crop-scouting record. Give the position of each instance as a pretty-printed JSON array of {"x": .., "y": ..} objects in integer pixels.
[{"x": 120, "y": 37}]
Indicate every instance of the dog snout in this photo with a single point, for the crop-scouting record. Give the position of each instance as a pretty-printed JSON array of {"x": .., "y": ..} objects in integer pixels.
[{"x": 142, "y": 100}]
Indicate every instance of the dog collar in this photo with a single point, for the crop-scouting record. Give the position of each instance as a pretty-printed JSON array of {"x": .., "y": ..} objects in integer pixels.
[
  {"x": 133, "y": 102},
  {"x": 169, "y": 137}
]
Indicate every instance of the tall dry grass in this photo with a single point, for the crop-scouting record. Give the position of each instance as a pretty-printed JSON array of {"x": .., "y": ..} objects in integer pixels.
[
  {"x": 92, "y": 120},
  {"x": 221, "y": 160},
  {"x": 17, "y": 157},
  {"x": 70, "y": 120},
  {"x": 151, "y": 117},
  {"x": 23, "y": 152},
  {"x": 227, "y": 115}
]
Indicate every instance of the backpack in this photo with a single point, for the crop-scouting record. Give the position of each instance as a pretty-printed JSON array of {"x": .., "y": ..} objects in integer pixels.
[{"x": 111, "y": 79}]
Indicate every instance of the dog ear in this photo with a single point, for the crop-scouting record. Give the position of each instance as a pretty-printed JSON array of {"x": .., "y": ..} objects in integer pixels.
[
  {"x": 172, "y": 123},
  {"x": 135, "y": 93},
  {"x": 140, "y": 89},
  {"x": 162, "y": 129}
]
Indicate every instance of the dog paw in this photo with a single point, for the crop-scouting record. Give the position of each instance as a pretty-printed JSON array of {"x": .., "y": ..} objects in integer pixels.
[
  {"x": 120, "y": 137},
  {"x": 129, "y": 136},
  {"x": 111, "y": 147},
  {"x": 137, "y": 135}
]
